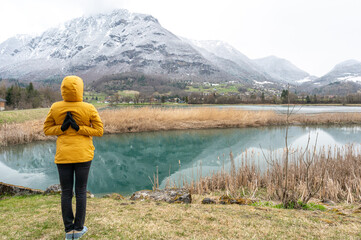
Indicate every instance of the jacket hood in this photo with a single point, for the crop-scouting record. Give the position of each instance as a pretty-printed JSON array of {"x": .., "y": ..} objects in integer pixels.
[{"x": 72, "y": 89}]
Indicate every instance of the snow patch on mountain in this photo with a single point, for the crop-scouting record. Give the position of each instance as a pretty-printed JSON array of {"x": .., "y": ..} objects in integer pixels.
[
  {"x": 304, "y": 80},
  {"x": 262, "y": 83},
  {"x": 356, "y": 79},
  {"x": 347, "y": 71}
]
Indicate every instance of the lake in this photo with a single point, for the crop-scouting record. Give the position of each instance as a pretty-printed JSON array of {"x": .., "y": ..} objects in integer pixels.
[
  {"x": 308, "y": 109},
  {"x": 124, "y": 163}
]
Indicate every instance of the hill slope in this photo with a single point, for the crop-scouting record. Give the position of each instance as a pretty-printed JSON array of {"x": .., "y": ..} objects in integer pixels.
[
  {"x": 343, "y": 79},
  {"x": 281, "y": 69}
]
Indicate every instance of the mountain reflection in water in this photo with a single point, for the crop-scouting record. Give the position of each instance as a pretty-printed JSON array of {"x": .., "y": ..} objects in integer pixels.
[{"x": 124, "y": 162}]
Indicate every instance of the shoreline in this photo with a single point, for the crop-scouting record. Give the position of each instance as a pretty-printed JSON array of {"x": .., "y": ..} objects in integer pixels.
[{"x": 147, "y": 119}]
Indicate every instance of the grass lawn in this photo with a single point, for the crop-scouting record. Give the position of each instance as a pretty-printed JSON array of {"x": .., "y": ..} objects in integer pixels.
[
  {"x": 39, "y": 217},
  {"x": 97, "y": 99},
  {"x": 221, "y": 88},
  {"x": 90, "y": 96},
  {"x": 18, "y": 116}
]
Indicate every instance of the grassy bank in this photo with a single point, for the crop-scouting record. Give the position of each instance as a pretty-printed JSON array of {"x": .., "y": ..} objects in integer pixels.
[
  {"x": 154, "y": 119},
  {"x": 39, "y": 217}
]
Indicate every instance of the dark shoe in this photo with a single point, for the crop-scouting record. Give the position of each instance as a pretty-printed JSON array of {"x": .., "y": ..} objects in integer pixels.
[
  {"x": 79, "y": 234},
  {"x": 69, "y": 235}
]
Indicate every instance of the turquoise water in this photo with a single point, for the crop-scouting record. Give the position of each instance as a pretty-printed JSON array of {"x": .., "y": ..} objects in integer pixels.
[{"x": 124, "y": 162}]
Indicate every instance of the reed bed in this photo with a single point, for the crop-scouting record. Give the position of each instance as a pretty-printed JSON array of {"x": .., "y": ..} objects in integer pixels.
[
  {"x": 327, "y": 174},
  {"x": 326, "y": 118},
  {"x": 19, "y": 133},
  {"x": 156, "y": 119}
]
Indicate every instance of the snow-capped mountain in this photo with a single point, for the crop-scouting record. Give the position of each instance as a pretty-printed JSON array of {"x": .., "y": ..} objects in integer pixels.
[
  {"x": 10, "y": 46},
  {"x": 343, "y": 79},
  {"x": 231, "y": 60},
  {"x": 283, "y": 70},
  {"x": 120, "y": 42},
  {"x": 105, "y": 44},
  {"x": 347, "y": 71}
]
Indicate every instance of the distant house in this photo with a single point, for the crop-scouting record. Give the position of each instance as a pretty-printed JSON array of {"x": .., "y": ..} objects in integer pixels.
[{"x": 2, "y": 104}]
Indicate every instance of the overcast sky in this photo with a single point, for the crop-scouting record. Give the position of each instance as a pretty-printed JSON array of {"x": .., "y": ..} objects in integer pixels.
[{"x": 315, "y": 35}]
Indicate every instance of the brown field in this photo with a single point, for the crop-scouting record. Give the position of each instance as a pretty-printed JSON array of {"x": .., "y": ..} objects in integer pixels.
[{"x": 156, "y": 119}]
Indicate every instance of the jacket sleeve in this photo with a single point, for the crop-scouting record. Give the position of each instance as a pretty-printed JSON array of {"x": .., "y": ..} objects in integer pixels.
[
  {"x": 50, "y": 127},
  {"x": 97, "y": 125}
]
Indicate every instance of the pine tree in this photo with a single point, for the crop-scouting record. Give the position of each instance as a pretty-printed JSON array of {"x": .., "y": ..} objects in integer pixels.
[{"x": 284, "y": 96}]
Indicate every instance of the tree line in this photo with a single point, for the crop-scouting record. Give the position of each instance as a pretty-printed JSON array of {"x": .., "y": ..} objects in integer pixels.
[
  {"x": 262, "y": 98},
  {"x": 22, "y": 96},
  {"x": 25, "y": 97}
]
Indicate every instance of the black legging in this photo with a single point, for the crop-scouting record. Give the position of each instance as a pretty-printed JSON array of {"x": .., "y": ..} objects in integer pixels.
[{"x": 66, "y": 175}]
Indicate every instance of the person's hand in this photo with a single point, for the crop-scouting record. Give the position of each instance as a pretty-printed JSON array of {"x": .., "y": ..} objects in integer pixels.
[
  {"x": 66, "y": 123},
  {"x": 72, "y": 122}
]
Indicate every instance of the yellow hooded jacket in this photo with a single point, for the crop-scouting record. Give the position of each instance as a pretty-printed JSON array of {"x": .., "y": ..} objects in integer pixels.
[{"x": 73, "y": 146}]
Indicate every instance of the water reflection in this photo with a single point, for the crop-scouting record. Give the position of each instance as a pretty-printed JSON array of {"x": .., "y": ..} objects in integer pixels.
[{"x": 124, "y": 162}]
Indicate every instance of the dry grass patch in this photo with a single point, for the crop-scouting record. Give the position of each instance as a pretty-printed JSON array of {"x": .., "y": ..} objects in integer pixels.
[{"x": 39, "y": 217}]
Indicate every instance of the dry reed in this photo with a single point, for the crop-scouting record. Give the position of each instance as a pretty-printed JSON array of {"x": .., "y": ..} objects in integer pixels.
[
  {"x": 335, "y": 174},
  {"x": 155, "y": 119},
  {"x": 19, "y": 133}
]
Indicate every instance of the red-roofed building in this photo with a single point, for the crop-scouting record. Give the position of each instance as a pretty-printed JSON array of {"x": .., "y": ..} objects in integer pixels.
[{"x": 2, "y": 104}]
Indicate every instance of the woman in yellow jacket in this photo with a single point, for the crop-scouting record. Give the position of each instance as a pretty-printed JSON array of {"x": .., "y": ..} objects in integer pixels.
[{"x": 74, "y": 122}]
